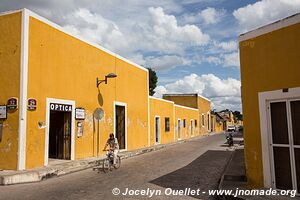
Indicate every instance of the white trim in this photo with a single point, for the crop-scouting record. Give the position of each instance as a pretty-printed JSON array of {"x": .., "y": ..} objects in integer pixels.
[
  {"x": 291, "y": 20},
  {"x": 117, "y": 103},
  {"x": 56, "y": 26},
  {"x": 47, "y": 129},
  {"x": 179, "y": 125},
  {"x": 23, "y": 92},
  {"x": 174, "y": 123},
  {"x": 203, "y": 97},
  {"x": 202, "y": 120},
  {"x": 159, "y": 136},
  {"x": 159, "y": 99},
  {"x": 11, "y": 12},
  {"x": 180, "y": 106},
  {"x": 192, "y": 124},
  {"x": 264, "y": 98},
  {"x": 209, "y": 121},
  {"x": 149, "y": 142}
]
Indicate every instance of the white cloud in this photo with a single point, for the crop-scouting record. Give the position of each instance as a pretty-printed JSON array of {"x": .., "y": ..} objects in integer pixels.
[
  {"x": 231, "y": 59},
  {"x": 97, "y": 29},
  {"x": 211, "y": 15},
  {"x": 165, "y": 62},
  {"x": 264, "y": 12},
  {"x": 224, "y": 93},
  {"x": 167, "y": 31},
  {"x": 208, "y": 16},
  {"x": 228, "y": 46}
]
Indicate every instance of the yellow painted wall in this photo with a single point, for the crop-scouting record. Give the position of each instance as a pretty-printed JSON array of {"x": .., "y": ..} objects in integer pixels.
[
  {"x": 188, "y": 100},
  {"x": 217, "y": 126},
  {"x": 187, "y": 114},
  {"x": 63, "y": 67},
  {"x": 162, "y": 109},
  {"x": 204, "y": 108},
  {"x": 10, "y": 53},
  {"x": 268, "y": 62}
]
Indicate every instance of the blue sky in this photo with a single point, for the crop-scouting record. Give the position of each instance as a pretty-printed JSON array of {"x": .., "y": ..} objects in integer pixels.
[{"x": 191, "y": 44}]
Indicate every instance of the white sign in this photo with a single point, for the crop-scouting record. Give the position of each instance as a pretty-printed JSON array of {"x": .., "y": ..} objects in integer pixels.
[
  {"x": 3, "y": 112},
  {"x": 79, "y": 113},
  {"x": 60, "y": 107}
]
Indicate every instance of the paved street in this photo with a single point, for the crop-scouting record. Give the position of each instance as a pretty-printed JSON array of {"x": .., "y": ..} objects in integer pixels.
[{"x": 193, "y": 164}]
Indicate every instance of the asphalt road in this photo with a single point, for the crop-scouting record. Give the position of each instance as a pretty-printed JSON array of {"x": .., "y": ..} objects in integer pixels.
[{"x": 196, "y": 164}]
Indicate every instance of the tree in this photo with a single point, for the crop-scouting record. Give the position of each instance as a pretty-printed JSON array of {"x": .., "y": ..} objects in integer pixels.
[
  {"x": 237, "y": 115},
  {"x": 152, "y": 81}
]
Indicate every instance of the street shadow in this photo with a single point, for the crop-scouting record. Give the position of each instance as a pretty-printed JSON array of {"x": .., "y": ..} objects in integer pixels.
[{"x": 203, "y": 173}]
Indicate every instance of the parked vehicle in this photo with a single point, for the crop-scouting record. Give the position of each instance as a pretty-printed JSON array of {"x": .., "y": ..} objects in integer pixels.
[
  {"x": 231, "y": 128},
  {"x": 229, "y": 139}
]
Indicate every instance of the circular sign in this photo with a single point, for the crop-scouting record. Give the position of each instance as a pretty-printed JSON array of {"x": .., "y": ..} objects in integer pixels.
[{"x": 99, "y": 113}]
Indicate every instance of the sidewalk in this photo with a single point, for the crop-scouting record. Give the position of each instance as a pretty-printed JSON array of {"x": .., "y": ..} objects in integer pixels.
[
  {"x": 62, "y": 167},
  {"x": 234, "y": 177}
]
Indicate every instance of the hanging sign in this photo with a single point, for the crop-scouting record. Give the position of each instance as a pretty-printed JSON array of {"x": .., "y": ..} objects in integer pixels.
[
  {"x": 60, "y": 107},
  {"x": 80, "y": 113},
  {"x": 3, "y": 112},
  {"x": 12, "y": 103},
  {"x": 31, "y": 105}
]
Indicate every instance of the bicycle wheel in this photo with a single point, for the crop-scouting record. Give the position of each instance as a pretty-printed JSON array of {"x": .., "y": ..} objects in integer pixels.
[
  {"x": 105, "y": 165},
  {"x": 118, "y": 162}
]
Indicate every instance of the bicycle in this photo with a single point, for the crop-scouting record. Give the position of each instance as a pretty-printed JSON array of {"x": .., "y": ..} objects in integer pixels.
[{"x": 108, "y": 162}]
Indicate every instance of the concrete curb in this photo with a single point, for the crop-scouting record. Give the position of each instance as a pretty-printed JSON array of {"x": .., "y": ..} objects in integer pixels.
[
  {"x": 232, "y": 180},
  {"x": 39, "y": 174}
]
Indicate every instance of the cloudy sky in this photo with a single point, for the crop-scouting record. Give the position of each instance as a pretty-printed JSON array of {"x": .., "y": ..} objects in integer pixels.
[{"x": 192, "y": 44}]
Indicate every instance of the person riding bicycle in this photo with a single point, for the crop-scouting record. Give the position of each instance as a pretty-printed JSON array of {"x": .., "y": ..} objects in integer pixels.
[{"x": 113, "y": 144}]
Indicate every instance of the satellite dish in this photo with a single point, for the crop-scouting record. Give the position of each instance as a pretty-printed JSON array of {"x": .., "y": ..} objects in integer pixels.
[{"x": 99, "y": 113}]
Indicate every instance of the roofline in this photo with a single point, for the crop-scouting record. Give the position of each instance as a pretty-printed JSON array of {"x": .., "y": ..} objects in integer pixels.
[
  {"x": 190, "y": 94},
  {"x": 159, "y": 99},
  {"x": 58, "y": 27},
  {"x": 186, "y": 107},
  {"x": 288, "y": 21},
  {"x": 10, "y": 12}
]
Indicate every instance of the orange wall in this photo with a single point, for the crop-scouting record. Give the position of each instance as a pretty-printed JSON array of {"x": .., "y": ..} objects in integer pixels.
[
  {"x": 63, "y": 67},
  {"x": 188, "y": 100},
  {"x": 268, "y": 62},
  {"x": 162, "y": 109},
  {"x": 204, "y": 108},
  {"x": 187, "y": 114},
  {"x": 10, "y": 53}
]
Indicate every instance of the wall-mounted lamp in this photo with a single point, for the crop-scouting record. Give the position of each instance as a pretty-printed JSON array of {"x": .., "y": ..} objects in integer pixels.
[{"x": 110, "y": 75}]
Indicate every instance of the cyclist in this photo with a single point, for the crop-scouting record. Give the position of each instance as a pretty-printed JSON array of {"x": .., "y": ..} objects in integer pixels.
[{"x": 113, "y": 144}]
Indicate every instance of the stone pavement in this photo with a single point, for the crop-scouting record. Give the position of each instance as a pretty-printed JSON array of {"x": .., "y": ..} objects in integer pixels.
[
  {"x": 63, "y": 167},
  {"x": 197, "y": 163}
]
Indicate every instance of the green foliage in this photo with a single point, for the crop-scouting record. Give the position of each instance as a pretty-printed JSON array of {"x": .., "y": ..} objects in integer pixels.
[
  {"x": 237, "y": 115},
  {"x": 152, "y": 81}
]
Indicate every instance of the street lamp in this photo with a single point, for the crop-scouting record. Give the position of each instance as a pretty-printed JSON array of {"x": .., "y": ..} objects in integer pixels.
[{"x": 110, "y": 75}]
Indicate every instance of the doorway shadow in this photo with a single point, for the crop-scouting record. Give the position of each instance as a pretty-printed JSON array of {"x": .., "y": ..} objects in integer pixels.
[{"x": 203, "y": 173}]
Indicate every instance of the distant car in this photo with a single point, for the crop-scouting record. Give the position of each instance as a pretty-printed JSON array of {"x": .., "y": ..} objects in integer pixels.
[{"x": 231, "y": 128}]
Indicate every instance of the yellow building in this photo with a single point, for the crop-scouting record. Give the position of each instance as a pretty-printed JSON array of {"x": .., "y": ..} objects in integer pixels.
[
  {"x": 59, "y": 70},
  {"x": 198, "y": 102},
  {"x": 162, "y": 121},
  {"x": 270, "y": 69},
  {"x": 61, "y": 97},
  {"x": 186, "y": 122}
]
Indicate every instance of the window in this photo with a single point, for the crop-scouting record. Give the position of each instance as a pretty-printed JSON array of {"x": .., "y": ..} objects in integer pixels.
[
  {"x": 184, "y": 123},
  {"x": 195, "y": 123},
  {"x": 202, "y": 119},
  {"x": 167, "y": 124}
]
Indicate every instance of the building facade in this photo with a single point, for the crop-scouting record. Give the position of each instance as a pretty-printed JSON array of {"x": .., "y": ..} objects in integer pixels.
[
  {"x": 270, "y": 95},
  {"x": 63, "y": 96},
  {"x": 198, "y": 102}
]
